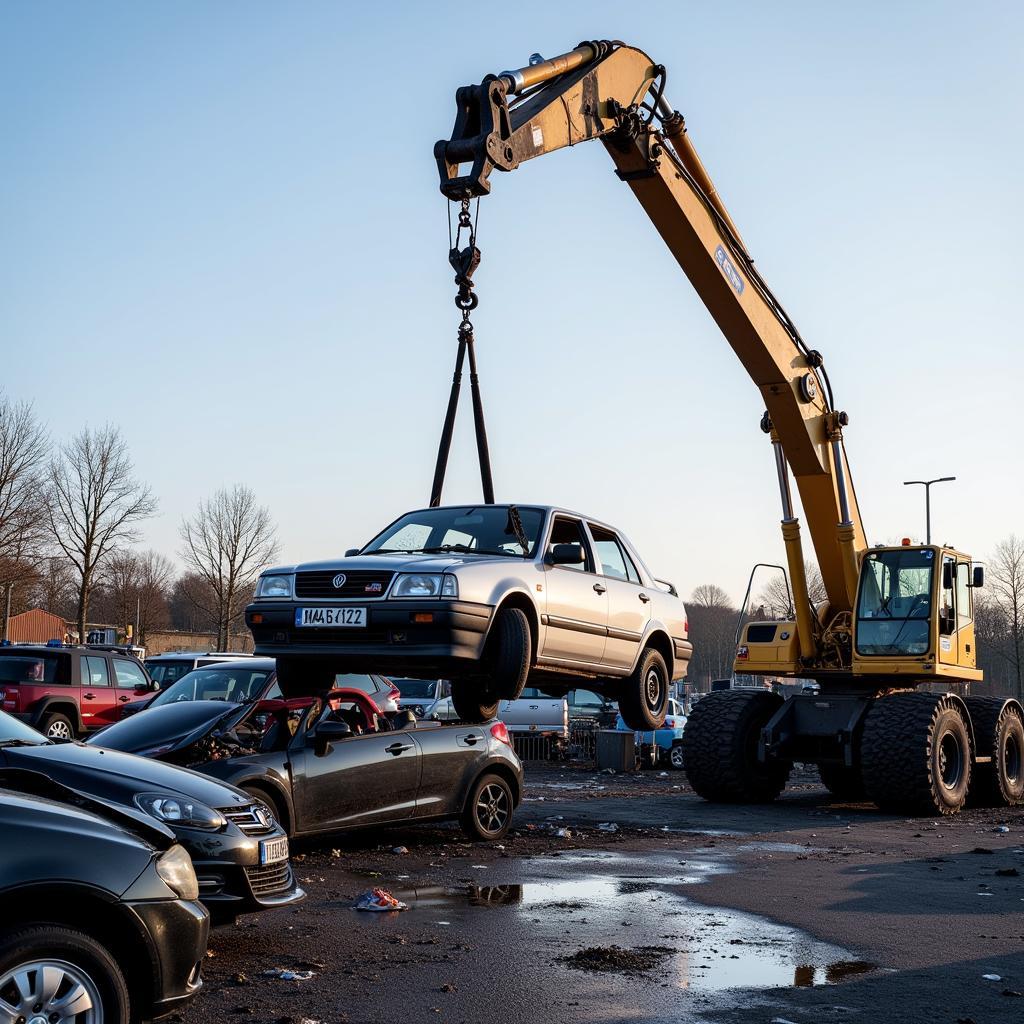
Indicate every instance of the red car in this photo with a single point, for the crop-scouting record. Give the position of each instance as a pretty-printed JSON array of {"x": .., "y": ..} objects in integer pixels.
[{"x": 66, "y": 691}]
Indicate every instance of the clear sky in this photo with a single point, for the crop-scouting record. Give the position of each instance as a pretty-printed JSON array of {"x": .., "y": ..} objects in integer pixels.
[{"x": 222, "y": 231}]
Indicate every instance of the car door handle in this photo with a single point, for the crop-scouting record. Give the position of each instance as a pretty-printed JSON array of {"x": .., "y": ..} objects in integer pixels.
[
  {"x": 643, "y": 597},
  {"x": 88, "y": 696},
  {"x": 397, "y": 748},
  {"x": 123, "y": 698},
  {"x": 470, "y": 740},
  {"x": 600, "y": 588}
]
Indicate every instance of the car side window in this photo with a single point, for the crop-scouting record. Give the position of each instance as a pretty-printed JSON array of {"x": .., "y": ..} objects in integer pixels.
[
  {"x": 129, "y": 674},
  {"x": 95, "y": 672},
  {"x": 570, "y": 531},
  {"x": 612, "y": 557}
]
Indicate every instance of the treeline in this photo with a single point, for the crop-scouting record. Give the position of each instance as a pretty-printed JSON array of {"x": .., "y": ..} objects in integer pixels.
[{"x": 70, "y": 521}]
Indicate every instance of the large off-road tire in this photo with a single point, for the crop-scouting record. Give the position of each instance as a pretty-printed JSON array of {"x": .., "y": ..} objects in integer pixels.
[
  {"x": 643, "y": 697},
  {"x": 720, "y": 748},
  {"x": 509, "y": 653},
  {"x": 999, "y": 733},
  {"x": 32, "y": 958},
  {"x": 916, "y": 754},
  {"x": 58, "y": 727},
  {"x": 474, "y": 699},
  {"x": 487, "y": 814},
  {"x": 841, "y": 781}
]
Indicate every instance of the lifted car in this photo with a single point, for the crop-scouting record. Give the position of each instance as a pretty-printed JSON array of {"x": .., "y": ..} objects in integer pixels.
[
  {"x": 337, "y": 762},
  {"x": 489, "y": 596}
]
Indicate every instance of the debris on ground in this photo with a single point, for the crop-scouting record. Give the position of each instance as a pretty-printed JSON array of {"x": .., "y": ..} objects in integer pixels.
[
  {"x": 607, "y": 826},
  {"x": 616, "y": 958},
  {"x": 992, "y": 977},
  {"x": 400, "y": 849},
  {"x": 286, "y": 975},
  {"x": 379, "y": 899}
]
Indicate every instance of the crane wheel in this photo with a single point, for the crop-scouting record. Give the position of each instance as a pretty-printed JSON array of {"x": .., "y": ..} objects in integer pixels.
[
  {"x": 843, "y": 782},
  {"x": 999, "y": 733},
  {"x": 720, "y": 748},
  {"x": 916, "y": 754}
]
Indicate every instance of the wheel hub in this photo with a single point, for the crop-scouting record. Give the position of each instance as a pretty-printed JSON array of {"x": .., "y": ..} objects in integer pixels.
[
  {"x": 950, "y": 761},
  {"x": 50, "y": 992},
  {"x": 653, "y": 689}
]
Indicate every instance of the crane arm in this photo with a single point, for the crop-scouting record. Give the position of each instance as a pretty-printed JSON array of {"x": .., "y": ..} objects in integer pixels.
[{"x": 614, "y": 92}]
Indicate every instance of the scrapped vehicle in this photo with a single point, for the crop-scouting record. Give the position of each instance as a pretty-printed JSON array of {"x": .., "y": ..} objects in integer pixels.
[
  {"x": 99, "y": 918},
  {"x": 534, "y": 712},
  {"x": 240, "y": 854},
  {"x": 666, "y": 741},
  {"x": 68, "y": 690},
  {"x": 490, "y": 597},
  {"x": 168, "y": 668},
  {"x": 336, "y": 762},
  {"x": 417, "y": 695}
]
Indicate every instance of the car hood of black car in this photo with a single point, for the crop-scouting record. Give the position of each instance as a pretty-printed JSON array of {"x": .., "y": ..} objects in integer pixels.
[
  {"x": 172, "y": 726},
  {"x": 112, "y": 774}
]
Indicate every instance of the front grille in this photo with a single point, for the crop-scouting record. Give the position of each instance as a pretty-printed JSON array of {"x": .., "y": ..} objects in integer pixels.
[
  {"x": 249, "y": 819},
  {"x": 270, "y": 880},
  {"x": 366, "y": 584}
]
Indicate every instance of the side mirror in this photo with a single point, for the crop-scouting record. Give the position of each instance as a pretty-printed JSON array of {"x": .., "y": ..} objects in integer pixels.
[
  {"x": 947, "y": 575},
  {"x": 329, "y": 732},
  {"x": 141, "y": 689},
  {"x": 567, "y": 554},
  {"x": 978, "y": 579},
  {"x": 351, "y": 551}
]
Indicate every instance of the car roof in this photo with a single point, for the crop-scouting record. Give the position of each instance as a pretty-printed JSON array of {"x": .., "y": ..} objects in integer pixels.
[
  {"x": 226, "y": 655},
  {"x": 256, "y": 664}
]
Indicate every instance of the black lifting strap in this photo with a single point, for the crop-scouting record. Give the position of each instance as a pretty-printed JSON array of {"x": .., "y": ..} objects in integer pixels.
[{"x": 464, "y": 262}]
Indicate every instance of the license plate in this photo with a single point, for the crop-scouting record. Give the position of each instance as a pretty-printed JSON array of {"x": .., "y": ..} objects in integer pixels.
[
  {"x": 330, "y": 617},
  {"x": 272, "y": 851}
]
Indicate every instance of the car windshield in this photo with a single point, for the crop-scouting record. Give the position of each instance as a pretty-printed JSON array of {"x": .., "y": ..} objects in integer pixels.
[
  {"x": 468, "y": 529},
  {"x": 233, "y": 683},
  {"x": 29, "y": 668},
  {"x": 163, "y": 673},
  {"x": 894, "y": 605},
  {"x": 416, "y": 687},
  {"x": 13, "y": 732}
]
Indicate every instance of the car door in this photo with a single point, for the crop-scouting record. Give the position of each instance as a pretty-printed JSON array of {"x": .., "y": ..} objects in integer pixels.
[
  {"x": 361, "y": 780},
  {"x": 629, "y": 602},
  {"x": 450, "y": 760},
  {"x": 98, "y": 695},
  {"x": 576, "y": 601},
  {"x": 130, "y": 681}
]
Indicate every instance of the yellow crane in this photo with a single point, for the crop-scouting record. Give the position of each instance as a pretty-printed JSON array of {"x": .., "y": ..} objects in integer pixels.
[{"x": 895, "y": 617}]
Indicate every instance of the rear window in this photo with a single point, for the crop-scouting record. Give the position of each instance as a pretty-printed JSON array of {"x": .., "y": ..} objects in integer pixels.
[
  {"x": 234, "y": 684},
  {"x": 163, "y": 673},
  {"x": 33, "y": 668},
  {"x": 416, "y": 687}
]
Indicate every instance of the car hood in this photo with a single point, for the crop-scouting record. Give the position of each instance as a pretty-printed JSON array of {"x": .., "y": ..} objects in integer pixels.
[
  {"x": 392, "y": 563},
  {"x": 173, "y": 726},
  {"x": 113, "y": 775}
]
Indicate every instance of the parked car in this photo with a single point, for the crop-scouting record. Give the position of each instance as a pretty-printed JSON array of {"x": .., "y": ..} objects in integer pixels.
[
  {"x": 99, "y": 919},
  {"x": 487, "y": 596},
  {"x": 668, "y": 740},
  {"x": 252, "y": 679},
  {"x": 338, "y": 762},
  {"x": 165, "y": 669},
  {"x": 240, "y": 854},
  {"x": 67, "y": 691},
  {"x": 419, "y": 694}
]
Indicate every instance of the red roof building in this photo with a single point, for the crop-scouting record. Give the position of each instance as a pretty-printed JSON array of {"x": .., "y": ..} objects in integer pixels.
[{"x": 36, "y": 627}]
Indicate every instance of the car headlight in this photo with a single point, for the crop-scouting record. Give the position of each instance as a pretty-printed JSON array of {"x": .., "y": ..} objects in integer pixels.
[
  {"x": 174, "y": 810},
  {"x": 425, "y": 585},
  {"x": 175, "y": 868},
  {"x": 275, "y": 586}
]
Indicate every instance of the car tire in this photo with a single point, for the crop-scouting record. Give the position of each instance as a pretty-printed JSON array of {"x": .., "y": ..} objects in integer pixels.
[
  {"x": 644, "y": 696},
  {"x": 84, "y": 962},
  {"x": 675, "y": 756},
  {"x": 488, "y": 811},
  {"x": 474, "y": 700},
  {"x": 510, "y": 652},
  {"x": 58, "y": 727},
  {"x": 265, "y": 798}
]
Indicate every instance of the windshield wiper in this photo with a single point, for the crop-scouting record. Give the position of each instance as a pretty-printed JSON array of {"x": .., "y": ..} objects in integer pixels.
[
  {"x": 515, "y": 524},
  {"x": 23, "y": 743},
  {"x": 465, "y": 549}
]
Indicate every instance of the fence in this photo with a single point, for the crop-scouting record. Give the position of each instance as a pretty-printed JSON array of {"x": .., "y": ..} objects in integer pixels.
[{"x": 539, "y": 748}]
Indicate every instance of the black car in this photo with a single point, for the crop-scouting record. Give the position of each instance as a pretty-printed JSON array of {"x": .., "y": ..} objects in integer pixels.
[
  {"x": 324, "y": 764},
  {"x": 99, "y": 918},
  {"x": 240, "y": 853}
]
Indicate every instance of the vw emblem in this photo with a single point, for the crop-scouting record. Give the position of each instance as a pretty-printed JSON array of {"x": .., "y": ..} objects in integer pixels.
[
  {"x": 261, "y": 816},
  {"x": 339, "y": 581}
]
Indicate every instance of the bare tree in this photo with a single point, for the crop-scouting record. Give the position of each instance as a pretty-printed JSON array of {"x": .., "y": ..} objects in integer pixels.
[
  {"x": 1006, "y": 579},
  {"x": 227, "y": 542},
  {"x": 712, "y": 619},
  {"x": 776, "y": 594},
  {"x": 54, "y": 587},
  {"x": 710, "y": 595},
  {"x": 95, "y": 504}
]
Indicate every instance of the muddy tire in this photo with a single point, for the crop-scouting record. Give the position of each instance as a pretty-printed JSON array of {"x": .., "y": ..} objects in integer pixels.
[
  {"x": 509, "y": 653},
  {"x": 916, "y": 754},
  {"x": 474, "y": 699},
  {"x": 89, "y": 976},
  {"x": 643, "y": 698},
  {"x": 842, "y": 782},
  {"x": 720, "y": 748},
  {"x": 999, "y": 733},
  {"x": 488, "y": 811},
  {"x": 58, "y": 727}
]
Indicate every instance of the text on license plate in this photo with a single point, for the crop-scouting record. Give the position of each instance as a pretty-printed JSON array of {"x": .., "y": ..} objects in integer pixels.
[
  {"x": 273, "y": 851},
  {"x": 330, "y": 616}
]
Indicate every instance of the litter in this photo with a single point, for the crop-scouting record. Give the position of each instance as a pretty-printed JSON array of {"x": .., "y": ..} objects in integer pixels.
[
  {"x": 607, "y": 826},
  {"x": 286, "y": 975},
  {"x": 562, "y": 833},
  {"x": 399, "y": 849},
  {"x": 1001, "y": 828},
  {"x": 662, "y": 775},
  {"x": 992, "y": 977},
  {"x": 379, "y": 899}
]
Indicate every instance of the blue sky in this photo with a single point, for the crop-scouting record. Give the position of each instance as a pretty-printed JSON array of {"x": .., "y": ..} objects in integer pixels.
[{"x": 223, "y": 233}]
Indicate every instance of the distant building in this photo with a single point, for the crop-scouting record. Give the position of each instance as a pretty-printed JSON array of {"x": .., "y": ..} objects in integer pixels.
[{"x": 36, "y": 627}]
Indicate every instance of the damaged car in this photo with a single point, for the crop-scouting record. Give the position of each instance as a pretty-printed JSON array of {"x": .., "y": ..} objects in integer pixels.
[
  {"x": 334, "y": 762},
  {"x": 240, "y": 853}
]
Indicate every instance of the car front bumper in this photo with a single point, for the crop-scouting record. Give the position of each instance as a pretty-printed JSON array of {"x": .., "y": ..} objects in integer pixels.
[{"x": 398, "y": 633}]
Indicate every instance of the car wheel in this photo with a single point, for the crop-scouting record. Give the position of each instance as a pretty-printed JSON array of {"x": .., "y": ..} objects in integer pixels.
[
  {"x": 59, "y": 727},
  {"x": 261, "y": 796},
  {"x": 488, "y": 811},
  {"x": 675, "y": 757},
  {"x": 644, "y": 696},
  {"x": 511, "y": 650},
  {"x": 474, "y": 700},
  {"x": 60, "y": 975}
]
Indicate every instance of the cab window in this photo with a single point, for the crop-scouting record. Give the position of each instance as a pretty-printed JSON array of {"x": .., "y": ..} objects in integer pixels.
[{"x": 963, "y": 595}]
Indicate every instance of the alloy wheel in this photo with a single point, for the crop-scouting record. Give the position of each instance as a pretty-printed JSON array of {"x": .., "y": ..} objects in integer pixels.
[
  {"x": 492, "y": 808},
  {"x": 59, "y": 731},
  {"x": 652, "y": 689},
  {"x": 49, "y": 992}
]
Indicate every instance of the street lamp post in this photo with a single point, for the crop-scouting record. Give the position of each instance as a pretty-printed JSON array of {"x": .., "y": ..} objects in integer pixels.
[{"x": 927, "y": 484}]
